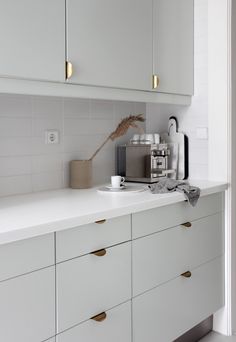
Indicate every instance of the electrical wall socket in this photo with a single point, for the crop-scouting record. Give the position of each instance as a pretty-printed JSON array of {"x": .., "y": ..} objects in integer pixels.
[{"x": 51, "y": 137}]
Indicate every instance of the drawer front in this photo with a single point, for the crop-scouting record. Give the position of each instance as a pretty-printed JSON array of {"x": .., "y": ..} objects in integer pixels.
[
  {"x": 25, "y": 256},
  {"x": 27, "y": 310},
  {"x": 116, "y": 328},
  {"x": 92, "y": 284},
  {"x": 168, "y": 311},
  {"x": 85, "y": 239},
  {"x": 162, "y": 256},
  {"x": 154, "y": 220}
]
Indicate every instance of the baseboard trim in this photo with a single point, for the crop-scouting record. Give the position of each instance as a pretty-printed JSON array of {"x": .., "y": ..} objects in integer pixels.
[{"x": 198, "y": 332}]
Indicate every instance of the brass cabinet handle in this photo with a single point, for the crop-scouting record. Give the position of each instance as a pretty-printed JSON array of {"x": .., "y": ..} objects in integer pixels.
[
  {"x": 100, "y": 252},
  {"x": 187, "y": 224},
  {"x": 187, "y": 274},
  {"x": 99, "y": 318},
  {"x": 155, "y": 81},
  {"x": 69, "y": 70},
  {"x": 100, "y": 221}
]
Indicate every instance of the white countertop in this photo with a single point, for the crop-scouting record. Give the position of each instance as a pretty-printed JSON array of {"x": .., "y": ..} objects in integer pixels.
[{"x": 35, "y": 214}]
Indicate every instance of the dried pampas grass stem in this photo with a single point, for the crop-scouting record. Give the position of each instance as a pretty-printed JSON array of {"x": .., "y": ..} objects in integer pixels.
[{"x": 129, "y": 122}]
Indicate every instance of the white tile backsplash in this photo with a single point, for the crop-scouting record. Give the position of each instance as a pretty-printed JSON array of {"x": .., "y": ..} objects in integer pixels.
[
  {"x": 15, "y": 106},
  {"x": 15, "y": 127},
  {"x": 15, "y": 166},
  {"x": 15, "y": 185},
  {"x": 27, "y": 164}
]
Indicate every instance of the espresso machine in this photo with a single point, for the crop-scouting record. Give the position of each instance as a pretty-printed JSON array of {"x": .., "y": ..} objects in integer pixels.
[{"x": 145, "y": 162}]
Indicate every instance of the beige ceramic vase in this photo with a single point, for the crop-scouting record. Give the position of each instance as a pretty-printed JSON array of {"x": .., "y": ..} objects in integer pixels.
[{"x": 81, "y": 174}]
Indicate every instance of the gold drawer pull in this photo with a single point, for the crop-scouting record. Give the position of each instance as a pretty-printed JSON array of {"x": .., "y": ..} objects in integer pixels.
[
  {"x": 69, "y": 70},
  {"x": 187, "y": 274},
  {"x": 155, "y": 81},
  {"x": 99, "y": 318},
  {"x": 100, "y": 222},
  {"x": 100, "y": 253},
  {"x": 187, "y": 224}
]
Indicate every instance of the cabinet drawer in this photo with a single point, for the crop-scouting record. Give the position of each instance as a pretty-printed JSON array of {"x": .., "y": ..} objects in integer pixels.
[
  {"x": 82, "y": 240},
  {"x": 25, "y": 256},
  {"x": 162, "y": 256},
  {"x": 27, "y": 310},
  {"x": 168, "y": 311},
  {"x": 154, "y": 220},
  {"x": 116, "y": 328},
  {"x": 92, "y": 284}
]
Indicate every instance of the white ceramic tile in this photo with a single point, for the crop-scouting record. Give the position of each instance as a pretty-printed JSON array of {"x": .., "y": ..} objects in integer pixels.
[
  {"x": 102, "y": 109},
  {"x": 39, "y": 147},
  {"x": 199, "y": 156},
  {"x": 83, "y": 126},
  {"x": 51, "y": 122},
  {"x": 47, "y": 163},
  {"x": 15, "y": 106},
  {"x": 15, "y": 127},
  {"x": 44, "y": 106},
  {"x": 15, "y": 166},
  {"x": 198, "y": 171},
  {"x": 15, "y": 146},
  {"x": 15, "y": 185},
  {"x": 84, "y": 142},
  {"x": 76, "y": 108},
  {"x": 47, "y": 181},
  {"x": 123, "y": 109},
  {"x": 75, "y": 126}
]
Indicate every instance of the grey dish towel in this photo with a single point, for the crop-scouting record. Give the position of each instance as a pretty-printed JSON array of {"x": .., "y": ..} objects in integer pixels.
[{"x": 191, "y": 193}]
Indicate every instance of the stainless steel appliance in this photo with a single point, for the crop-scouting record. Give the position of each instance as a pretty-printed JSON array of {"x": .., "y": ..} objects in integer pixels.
[{"x": 146, "y": 163}]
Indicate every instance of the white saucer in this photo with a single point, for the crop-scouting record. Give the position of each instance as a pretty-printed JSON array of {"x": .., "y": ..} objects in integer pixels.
[
  {"x": 125, "y": 190},
  {"x": 122, "y": 187}
]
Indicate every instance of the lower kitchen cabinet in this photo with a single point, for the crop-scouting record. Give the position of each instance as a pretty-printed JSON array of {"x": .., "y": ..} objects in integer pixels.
[
  {"x": 168, "y": 311},
  {"x": 27, "y": 310},
  {"x": 26, "y": 256},
  {"x": 163, "y": 256},
  {"x": 116, "y": 327},
  {"x": 104, "y": 286},
  {"x": 91, "y": 284}
]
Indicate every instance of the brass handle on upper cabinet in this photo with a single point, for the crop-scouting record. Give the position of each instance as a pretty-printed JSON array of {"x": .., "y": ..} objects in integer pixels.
[
  {"x": 187, "y": 224},
  {"x": 155, "y": 81},
  {"x": 69, "y": 70},
  {"x": 100, "y": 221},
  {"x": 99, "y": 318},
  {"x": 187, "y": 274},
  {"x": 100, "y": 253}
]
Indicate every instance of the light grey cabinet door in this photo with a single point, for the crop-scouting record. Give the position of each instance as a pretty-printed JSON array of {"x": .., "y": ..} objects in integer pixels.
[
  {"x": 173, "y": 49},
  {"x": 27, "y": 310},
  {"x": 32, "y": 39},
  {"x": 109, "y": 43}
]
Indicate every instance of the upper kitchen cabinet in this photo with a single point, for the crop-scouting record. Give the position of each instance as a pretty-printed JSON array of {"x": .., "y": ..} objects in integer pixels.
[
  {"x": 32, "y": 39},
  {"x": 109, "y": 43},
  {"x": 173, "y": 49}
]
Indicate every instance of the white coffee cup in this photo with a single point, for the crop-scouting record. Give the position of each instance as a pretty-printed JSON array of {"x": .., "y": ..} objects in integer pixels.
[{"x": 117, "y": 181}]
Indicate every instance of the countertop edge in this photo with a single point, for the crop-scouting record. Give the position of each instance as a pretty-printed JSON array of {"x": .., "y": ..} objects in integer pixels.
[{"x": 55, "y": 226}]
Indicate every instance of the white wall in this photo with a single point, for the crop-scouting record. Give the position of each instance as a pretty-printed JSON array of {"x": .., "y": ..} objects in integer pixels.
[
  {"x": 28, "y": 165},
  {"x": 196, "y": 116},
  {"x": 221, "y": 132},
  {"x": 233, "y": 168}
]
